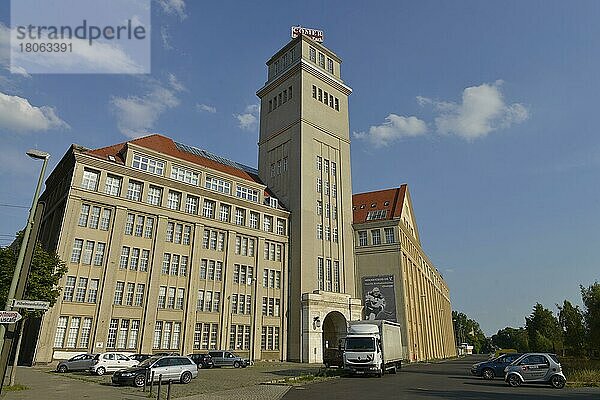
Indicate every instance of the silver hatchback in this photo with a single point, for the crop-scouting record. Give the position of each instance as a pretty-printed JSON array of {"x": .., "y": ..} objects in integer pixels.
[{"x": 535, "y": 368}]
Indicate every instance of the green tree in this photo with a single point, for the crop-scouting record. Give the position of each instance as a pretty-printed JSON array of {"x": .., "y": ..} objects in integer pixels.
[
  {"x": 591, "y": 315},
  {"x": 571, "y": 322},
  {"x": 543, "y": 330},
  {"x": 512, "y": 338},
  {"x": 468, "y": 331}
]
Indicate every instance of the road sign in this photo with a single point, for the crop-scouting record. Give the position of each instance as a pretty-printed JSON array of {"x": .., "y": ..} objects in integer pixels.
[
  {"x": 31, "y": 304},
  {"x": 9, "y": 317}
]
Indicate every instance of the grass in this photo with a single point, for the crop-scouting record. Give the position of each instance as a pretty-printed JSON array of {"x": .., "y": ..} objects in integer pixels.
[
  {"x": 581, "y": 371},
  {"x": 15, "y": 388}
]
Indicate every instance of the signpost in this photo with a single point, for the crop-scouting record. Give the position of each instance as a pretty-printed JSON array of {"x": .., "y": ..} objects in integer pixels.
[
  {"x": 314, "y": 34},
  {"x": 9, "y": 317},
  {"x": 31, "y": 304}
]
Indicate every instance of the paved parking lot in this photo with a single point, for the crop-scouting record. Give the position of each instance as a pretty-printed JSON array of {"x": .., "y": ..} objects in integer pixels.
[{"x": 214, "y": 384}]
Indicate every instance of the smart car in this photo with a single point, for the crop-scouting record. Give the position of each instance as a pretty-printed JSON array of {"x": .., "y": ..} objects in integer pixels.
[{"x": 535, "y": 367}]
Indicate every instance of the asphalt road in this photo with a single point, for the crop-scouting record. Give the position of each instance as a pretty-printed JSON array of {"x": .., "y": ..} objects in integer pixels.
[{"x": 446, "y": 380}]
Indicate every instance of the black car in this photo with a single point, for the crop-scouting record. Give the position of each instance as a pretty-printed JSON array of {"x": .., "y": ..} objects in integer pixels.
[
  {"x": 140, "y": 357},
  {"x": 202, "y": 360},
  {"x": 494, "y": 367}
]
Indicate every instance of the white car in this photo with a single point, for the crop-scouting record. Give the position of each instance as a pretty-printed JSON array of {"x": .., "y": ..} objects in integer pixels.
[{"x": 110, "y": 362}]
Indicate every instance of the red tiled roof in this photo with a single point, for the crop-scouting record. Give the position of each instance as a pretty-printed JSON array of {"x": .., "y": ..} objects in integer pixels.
[
  {"x": 167, "y": 146},
  {"x": 390, "y": 200}
]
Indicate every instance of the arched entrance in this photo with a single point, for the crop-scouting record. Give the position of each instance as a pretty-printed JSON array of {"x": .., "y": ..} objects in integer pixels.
[{"x": 334, "y": 329}]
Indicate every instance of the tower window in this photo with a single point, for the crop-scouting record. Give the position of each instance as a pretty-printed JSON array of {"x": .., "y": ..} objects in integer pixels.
[
  {"x": 330, "y": 65},
  {"x": 312, "y": 54},
  {"x": 325, "y": 97},
  {"x": 322, "y": 60},
  {"x": 337, "y": 104},
  {"x": 314, "y": 92},
  {"x": 270, "y": 105},
  {"x": 290, "y": 92},
  {"x": 320, "y": 95},
  {"x": 285, "y": 97}
]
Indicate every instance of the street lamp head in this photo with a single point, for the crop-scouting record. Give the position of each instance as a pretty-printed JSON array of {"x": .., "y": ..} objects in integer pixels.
[{"x": 40, "y": 155}]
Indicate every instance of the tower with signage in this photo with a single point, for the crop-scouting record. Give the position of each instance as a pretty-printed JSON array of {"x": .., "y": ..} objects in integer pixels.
[{"x": 304, "y": 158}]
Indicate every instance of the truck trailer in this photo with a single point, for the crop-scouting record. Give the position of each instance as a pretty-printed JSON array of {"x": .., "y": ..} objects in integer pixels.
[{"x": 373, "y": 347}]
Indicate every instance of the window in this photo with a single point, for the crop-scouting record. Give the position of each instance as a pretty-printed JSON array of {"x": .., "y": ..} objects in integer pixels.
[
  {"x": 183, "y": 266},
  {"x": 157, "y": 334},
  {"x": 174, "y": 200},
  {"x": 362, "y": 238},
  {"x": 319, "y": 207},
  {"x": 81, "y": 289},
  {"x": 171, "y": 298},
  {"x": 112, "y": 186},
  {"x": 178, "y": 233},
  {"x": 327, "y": 210},
  {"x": 112, "y": 333},
  {"x": 187, "y": 230},
  {"x": 87, "y": 252},
  {"x": 240, "y": 216},
  {"x": 133, "y": 334},
  {"x": 154, "y": 195},
  {"x": 73, "y": 332},
  {"x": 319, "y": 185},
  {"x": 86, "y": 328},
  {"x": 184, "y": 175},
  {"x": 76, "y": 253},
  {"x": 334, "y": 213},
  {"x": 174, "y": 264},
  {"x": 280, "y": 227},
  {"x": 327, "y": 233},
  {"x": 325, "y": 167},
  {"x": 139, "y": 225},
  {"x": 336, "y": 276},
  {"x": 95, "y": 217},
  {"x": 330, "y": 65},
  {"x": 176, "y": 331},
  {"x": 149, "y": 227},
  {"x": 129, "y": 224},
  {"x": 321, "y": 60},
  {"x": 208, "y": 211},
  {"x": 247, "y": 194},
  {"x": 180, "y": 296},
  {"x": 314, "y": 91},
  {"x": 93, "y": 291},
  {"x": 312, "y": 54},
  {"x": 333, "y": 169},
  {"x": 124, "y": 257},
  {"x": 225, "y": 211},
  {"x": 134, "y": 190},
  {"x": 254, "y": 218},
  {"x": 191, "y": 204},
  {"x": 326, "y": 187},
  {"x": 130, "y": 293},
  {"x": 267, "y": 222},
  {"x": 389, "y": 235},
  {"x": 61, "y": 329},
  {"x": 377, "y": 214},
  {"x": 90, "y": 179},
  {"x": 105, "y": 221},
  {"x": 118, "y": 300},
  {"x": 335, "y": 235},
  {"x": 218, "y": 185},
  {"x": 320, "y": 273},
  {"x": 162, "y": 296},
  {"x": 334, "y": 190},
  {"x": 200, "y": 302},
  {"x": 284, "y": 161},
  {"x": 84, "y": 215},
  {"x": 328, "y": 275},
  {"x": 337, "y": 104},
  {"x": 319, "y": 163},
  {"x": 148, "y": 164},
  {"x": 319, "y": 231},
  {"x": 139, "y": 294},
  {"x": 375, "y": 236}
]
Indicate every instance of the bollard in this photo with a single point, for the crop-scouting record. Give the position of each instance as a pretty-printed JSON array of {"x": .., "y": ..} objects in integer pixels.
[
  {"x": 145, "y": 381},
  {"x": 151, "y": 383},
  {"x": 169, "y": 390},
  {"x": 159, "y": 384}
]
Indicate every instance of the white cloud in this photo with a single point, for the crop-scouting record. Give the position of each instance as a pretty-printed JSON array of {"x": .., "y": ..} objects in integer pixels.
[
  {"x": 249, "y": 119},
  {"x": 481, "y": 111},
  {"x": 136, "y": 115},
  {"x": 165, "y": 37},
  {"x": 17, "y": 114},
  {"x": 176, "y": 7},
  {"x": 206, "y": 108},
  {"x": 394, "y": 128}
]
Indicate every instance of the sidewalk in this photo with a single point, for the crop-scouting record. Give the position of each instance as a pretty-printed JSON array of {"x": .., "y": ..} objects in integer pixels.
[{"x": 211, "y": 384}]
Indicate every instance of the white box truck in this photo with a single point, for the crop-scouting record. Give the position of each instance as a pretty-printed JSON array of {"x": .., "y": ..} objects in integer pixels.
[{"x": 373, "y": 347}]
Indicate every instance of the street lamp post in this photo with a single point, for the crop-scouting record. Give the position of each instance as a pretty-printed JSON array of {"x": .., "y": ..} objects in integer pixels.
[{"x": 38, "y": 155}]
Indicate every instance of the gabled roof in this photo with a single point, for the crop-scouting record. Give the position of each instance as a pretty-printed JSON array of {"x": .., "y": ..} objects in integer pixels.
[
  {"x": 168, "y": 146},
  {"x": 390, "y": 200}
]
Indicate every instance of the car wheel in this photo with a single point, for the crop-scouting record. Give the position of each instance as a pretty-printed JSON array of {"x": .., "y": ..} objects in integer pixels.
[
  {"x": 100, "y": 371},
  {"x": 62, "y": 369},
  {"x": 488, "y": 373},
  {"x": 186, "y": 377},
  {"x": 557, "y": 382},
  {"x": 139, "y": 380},
  {"x": 514, "y": 380},
  {"x": 236, "y": 364}
]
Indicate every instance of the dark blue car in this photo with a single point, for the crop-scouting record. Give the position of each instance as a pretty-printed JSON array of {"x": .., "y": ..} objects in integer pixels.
[{"x": 494, "y": 367}]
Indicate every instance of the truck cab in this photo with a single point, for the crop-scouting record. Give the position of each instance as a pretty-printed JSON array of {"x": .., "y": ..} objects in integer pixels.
[{"x": 373, "y": 347}]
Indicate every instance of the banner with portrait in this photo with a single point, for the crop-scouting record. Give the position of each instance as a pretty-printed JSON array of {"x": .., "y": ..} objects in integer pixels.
[{"x": 379, "y": 297}]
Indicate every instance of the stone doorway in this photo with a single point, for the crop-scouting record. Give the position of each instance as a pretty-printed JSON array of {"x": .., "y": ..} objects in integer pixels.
[{"x": 335, "y": 328}]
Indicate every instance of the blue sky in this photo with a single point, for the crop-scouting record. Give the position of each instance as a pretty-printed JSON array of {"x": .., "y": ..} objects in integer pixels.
[{"x": 486, "y": 110}]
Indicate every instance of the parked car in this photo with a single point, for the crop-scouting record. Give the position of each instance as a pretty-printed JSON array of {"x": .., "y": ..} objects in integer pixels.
[
  {"x": 223, "y": 358},
  {"x": 172, "y": 368},
  {"x": 110, "y": 362},
  {"x": 494, "y": 367},
  {"x": 535, "y": 367},
  {"x": 140, "y": 357},
  {"x": 80, "y": 362},
  {"x": 202, "y": 360},
  {"x": 333, "y": 358}
]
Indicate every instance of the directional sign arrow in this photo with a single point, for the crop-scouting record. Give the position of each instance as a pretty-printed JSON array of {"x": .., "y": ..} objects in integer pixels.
[{"x": 9, "y": 317}]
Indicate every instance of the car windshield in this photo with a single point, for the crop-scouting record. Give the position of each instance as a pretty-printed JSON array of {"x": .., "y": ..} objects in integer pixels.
[
  {"x": 147, "y": 362},
  {"x": 360, "y": 344}
]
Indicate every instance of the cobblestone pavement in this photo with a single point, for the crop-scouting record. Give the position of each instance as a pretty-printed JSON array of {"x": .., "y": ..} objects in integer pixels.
[{"x": 211, "y": 384}]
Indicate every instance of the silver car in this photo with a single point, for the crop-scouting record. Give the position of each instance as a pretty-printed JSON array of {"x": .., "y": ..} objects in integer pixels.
[
  {"x": 81, "y": 362},
  {"x": 535, "y": 367},
  {"x": 165, "y": 368}
]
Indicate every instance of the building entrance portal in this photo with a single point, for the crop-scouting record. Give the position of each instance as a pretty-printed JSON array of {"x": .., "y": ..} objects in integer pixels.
[{"x": 335, "y": 328}]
